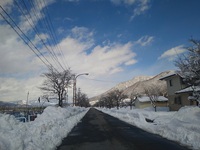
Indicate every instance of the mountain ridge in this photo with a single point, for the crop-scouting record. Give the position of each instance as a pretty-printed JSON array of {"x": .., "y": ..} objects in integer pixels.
[{"x": 136, "y": 85}]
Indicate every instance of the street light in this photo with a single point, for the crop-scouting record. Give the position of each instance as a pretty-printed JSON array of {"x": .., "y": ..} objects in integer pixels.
[{"x": 74, "y": 87}]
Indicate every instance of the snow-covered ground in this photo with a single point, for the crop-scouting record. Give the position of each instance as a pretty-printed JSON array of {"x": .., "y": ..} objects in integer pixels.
[
  {"x": 182, "y": 126},
  {"x": 45, "y": 133},
  {"x": 49, "y": 128}
]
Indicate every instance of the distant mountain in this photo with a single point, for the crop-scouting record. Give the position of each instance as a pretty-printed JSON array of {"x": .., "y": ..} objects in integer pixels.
[
  {"x": 43, "y": 102},
  {"x": 7, "y": 104},
  {"x": 136, "y": 85},
  {"x": 140, "y": 86},
  {"x": 36, "y": 103},
  {"x": 120, "y": 86},
  {"x": 127, "y": 84}
]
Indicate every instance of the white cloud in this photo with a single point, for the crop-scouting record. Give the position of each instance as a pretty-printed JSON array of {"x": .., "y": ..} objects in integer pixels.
[
  {"x": 104, "y": 61},
  {"x": 20, "y": 69},
  {"x": 142, "y": 7},
  {"x": 131, "y": 62},
  {"x": 108, "y": 58},
  {"x": 127, "y": 2},
  {"x": 6, "y": 4},
  {"x": 101, "y": 59},
  {"x": 16, "y": 57},
  {"x": 33, "y": 15},
  {"x": 173, "y": 52},
  {"x": 68, "y": 19},
  {"x": 72, "y": 0},
  {"x": 145, "y": 40},
  {"x": 139, "y": 6},
  {"x": 13, "y": 89},
  {"x": 82, "y": 34}
]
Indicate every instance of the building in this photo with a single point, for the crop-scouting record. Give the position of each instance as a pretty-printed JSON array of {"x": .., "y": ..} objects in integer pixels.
[
  {"x": 178, "y": 97},
  {"x": 144, "y": 102},
  {"x": 187, "y": 93}
]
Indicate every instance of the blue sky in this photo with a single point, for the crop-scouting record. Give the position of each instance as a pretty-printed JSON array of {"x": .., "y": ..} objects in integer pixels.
[{"x": 112, "y": 40}]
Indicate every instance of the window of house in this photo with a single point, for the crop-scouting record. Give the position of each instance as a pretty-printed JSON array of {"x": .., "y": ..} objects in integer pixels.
[
  {"x": 170, "y": 82},
  {"x": 177, "y": 100}
]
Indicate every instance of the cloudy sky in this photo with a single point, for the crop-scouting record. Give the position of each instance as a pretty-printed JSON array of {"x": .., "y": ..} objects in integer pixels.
[{"x": 112, "y": 40}]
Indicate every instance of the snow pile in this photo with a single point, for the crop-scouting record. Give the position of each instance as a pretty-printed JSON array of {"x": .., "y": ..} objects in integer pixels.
[
  {"x": 45, "y": 133},
  {"x": 181, "y": 126}
]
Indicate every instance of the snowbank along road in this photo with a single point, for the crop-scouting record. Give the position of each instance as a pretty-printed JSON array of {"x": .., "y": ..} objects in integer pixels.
[{"x": 99, "y": 131}]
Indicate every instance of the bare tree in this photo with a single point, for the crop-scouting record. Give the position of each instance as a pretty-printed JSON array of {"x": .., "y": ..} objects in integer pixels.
[
  {"x": 56, "y": 83},
  {"x": 153, "y": 92},
  {"x": 117, "y": 96},
  {"x": 112, "y": 99},
  {"x": 189, "y": 65},
  {"x": 82, "y": 99},
  {"x": 108, "y": 101},
  {"x": 133, "y": 98},
  {"x": 102, "y": 102}
]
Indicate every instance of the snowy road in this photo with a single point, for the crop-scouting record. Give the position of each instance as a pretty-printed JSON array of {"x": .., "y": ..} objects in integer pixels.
[{"x": 100, "y": 131}]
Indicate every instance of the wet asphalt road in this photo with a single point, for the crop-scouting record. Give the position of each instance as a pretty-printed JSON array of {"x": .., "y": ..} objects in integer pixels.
[{"x": 99, "y": 131}]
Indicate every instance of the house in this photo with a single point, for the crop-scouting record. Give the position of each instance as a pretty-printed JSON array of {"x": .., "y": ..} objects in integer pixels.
[
  {"x": 144, "y": 101},
  {"x": 177, "y": 97},
  {"x": 187, "y": 93}
]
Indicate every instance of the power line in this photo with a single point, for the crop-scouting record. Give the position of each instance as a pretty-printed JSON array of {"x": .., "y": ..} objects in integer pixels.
[
  {"x": 32, "y": 19},
  {"x": 55, "y": 38},
  {"x": 99, "y": 80},
  {"x": 47, "y": 23},
  {"x": 24, "y": 38},
  {"x": 35, "y": 29}
]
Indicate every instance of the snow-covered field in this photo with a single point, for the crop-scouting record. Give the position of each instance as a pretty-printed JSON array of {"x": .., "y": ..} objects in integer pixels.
[
  {"x": 45, "y": 133},
  {"x": 182, "y": 126}
]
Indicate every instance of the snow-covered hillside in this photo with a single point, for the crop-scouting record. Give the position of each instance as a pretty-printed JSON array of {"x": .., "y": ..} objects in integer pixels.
[
  {"x": 139, "y": 87},
  {"x": 137, "y": 84},
  {"x": 126, "y": 84}
]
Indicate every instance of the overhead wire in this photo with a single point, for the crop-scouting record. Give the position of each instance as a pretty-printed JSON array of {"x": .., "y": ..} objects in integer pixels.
[
  {"x": 36, "y": 30},
  {"x": 46, "y": 23},
  {"x": 99, "y": 80},
  {"x": 54, "y": 36},
  {"x": 26, "y": 40},
  {"x": 52, "y": 31}
]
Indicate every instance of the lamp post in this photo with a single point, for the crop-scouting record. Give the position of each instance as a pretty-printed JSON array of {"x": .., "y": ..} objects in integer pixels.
[{"x": 74, "y": 87}]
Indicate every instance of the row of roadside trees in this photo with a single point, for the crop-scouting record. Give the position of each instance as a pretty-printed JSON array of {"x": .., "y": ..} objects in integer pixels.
[
  {"x": 112, "y": 99},
  {"x": 117, "y": 98}
]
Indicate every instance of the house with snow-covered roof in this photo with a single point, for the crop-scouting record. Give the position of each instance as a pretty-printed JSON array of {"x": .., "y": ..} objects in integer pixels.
[
  {"x": 177, "y": 91},
  {"x": 187, "y": 93},
  {"x": 144, "y": 102}
]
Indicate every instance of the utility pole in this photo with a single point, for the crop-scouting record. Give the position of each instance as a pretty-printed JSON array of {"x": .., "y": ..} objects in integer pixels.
[
  {"x": 27, "y": 105},
  {"x": 74, "y": 90}
]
